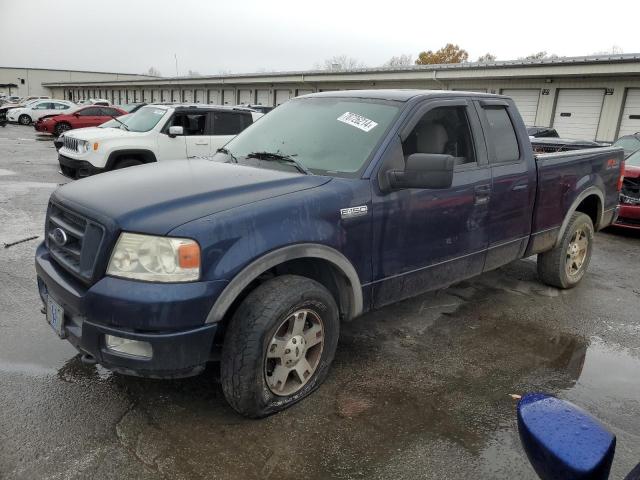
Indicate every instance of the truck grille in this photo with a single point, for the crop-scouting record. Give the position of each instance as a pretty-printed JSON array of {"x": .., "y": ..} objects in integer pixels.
[
  {"x": 73, "y": 241},
  {"x": 70, "y": 143},
  {"x": 630, "y": 193}
]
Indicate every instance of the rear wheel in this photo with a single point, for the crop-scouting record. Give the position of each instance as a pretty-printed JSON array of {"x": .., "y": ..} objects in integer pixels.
[
  {"x": 24, "y": 119},
  {"x": 60, "y": 128},
  {"x": 127, "y": 162},
  {"x": 565, "y": 265},
  {"x": 279, "y": 345}
]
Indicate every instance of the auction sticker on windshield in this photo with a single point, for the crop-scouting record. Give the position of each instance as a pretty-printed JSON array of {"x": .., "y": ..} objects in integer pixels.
[{"x": 358, "y": 121}]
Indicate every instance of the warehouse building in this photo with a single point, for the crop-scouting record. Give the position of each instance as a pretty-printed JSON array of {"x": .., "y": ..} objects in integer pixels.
[
  {"x": 25, "y": 82},
  {"x": 586, "y": 98}
]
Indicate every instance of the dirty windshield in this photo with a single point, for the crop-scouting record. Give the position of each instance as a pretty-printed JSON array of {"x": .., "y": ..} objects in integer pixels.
[
  {"x": 325, "y": 135},
  {"x": 143, "y": 120}
]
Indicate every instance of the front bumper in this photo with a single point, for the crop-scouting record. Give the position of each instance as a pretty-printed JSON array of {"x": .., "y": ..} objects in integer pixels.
[
  {"x": 43, "y": 127},
  {"x": 75, "y": 169},
  {"x": 629, "y": 216},
  {"x": 170, "y": 317}
]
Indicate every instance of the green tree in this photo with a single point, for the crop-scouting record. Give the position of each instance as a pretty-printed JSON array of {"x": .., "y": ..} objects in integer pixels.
[{"x": 450, "y": 53}]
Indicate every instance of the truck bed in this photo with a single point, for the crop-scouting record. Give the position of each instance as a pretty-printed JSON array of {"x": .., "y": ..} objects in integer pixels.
[{"x": 564, "y": 180}]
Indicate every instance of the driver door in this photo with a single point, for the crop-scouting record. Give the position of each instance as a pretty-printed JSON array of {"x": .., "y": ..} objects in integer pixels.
[{"x": 425, "y": 239}]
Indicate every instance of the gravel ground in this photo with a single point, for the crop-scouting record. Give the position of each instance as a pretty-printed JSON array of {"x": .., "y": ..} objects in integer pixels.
[{"x": 418, "y": 390}]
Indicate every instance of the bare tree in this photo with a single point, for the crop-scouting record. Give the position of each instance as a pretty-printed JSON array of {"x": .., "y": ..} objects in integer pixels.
[
  {"x": 154, "y": 72},
  {"x": 487, "y": 58},
  {"x": 340, "y": 63},
  {"x": 543, "y": 55},
  {"x": 614, "y": 50},
  {"x": 193, "y": 73},
  {"x": 403, "y": 60}
]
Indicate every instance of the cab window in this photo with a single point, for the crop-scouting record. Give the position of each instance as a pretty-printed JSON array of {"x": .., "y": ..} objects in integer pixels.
[{"x": 444, "y": 131}]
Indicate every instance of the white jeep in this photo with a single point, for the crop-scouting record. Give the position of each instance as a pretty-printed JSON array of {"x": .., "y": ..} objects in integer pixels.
[{"x": 153, "y": 133}]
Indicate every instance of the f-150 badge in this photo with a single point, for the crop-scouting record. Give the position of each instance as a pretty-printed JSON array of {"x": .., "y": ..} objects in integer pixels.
[{"x": 353, "y": 211}]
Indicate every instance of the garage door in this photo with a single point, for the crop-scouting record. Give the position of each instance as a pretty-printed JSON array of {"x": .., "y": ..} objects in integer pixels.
[
  {"x": 187, "y": 96},
  {"x": 630, "y": 122},
  {"x": 282, "y": 96},
  {"x": 199, "y": 96},
  {"x": 262, "y": 97},
  {"x": 227, "y": 97},
  {"x": 527, "y": 102},
  {"x": 155, "y": 96},
  {"x": 578, "y": 113},
  {"x": 175, "y": 95},
  {"x": 301, "y": 92},
  {"x": 165, "y": 95},
  {"x": 214, "y": 97},
  {"x": 244, "y": 97}
]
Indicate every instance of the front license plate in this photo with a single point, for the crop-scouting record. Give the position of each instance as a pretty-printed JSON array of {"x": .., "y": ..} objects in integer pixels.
[{"x": 55, "y": 316}]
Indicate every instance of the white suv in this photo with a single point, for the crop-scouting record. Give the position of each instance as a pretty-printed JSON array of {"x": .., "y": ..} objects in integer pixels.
[
  {"x": 31, "y": 112},
  {"x": 151, "y": 134}
]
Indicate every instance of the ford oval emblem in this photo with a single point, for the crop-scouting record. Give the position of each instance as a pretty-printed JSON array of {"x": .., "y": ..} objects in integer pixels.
[{"x": 59, "y": 237}]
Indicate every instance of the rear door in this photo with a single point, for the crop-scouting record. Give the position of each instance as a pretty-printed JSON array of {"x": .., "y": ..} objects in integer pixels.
[
  {"x": 89, "y": 117},
  {"x": 227, "y": 125},
  {"x": 577, "y": 114},
  {"x": 513, "y": 174}
]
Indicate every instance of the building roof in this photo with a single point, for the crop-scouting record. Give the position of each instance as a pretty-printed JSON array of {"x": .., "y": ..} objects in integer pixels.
[{"x": 499, "y": 68}]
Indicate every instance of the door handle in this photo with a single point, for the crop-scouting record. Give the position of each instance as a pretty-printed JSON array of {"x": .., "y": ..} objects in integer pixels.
[
  {"x": 482, "y": 194},
  {"x": 202, "y": 142},
  {"x": 522, "y": 186}
]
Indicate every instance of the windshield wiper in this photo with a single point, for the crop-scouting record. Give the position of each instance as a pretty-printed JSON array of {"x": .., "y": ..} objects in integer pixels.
[
  {"x": 280, "y": 157},
  {"x": 121, "y": 123},
  {"x": 227, "y": 152}
]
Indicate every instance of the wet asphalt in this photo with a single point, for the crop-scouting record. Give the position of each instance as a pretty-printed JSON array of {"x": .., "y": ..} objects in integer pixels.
[{"x": 418, "y": 390}]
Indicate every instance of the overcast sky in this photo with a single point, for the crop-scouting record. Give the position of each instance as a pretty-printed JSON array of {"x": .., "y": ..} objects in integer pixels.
[{"x": 257, "y": 35}]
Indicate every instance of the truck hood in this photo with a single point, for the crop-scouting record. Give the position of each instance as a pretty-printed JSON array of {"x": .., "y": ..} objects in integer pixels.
[{"x": 156, "y": 198}]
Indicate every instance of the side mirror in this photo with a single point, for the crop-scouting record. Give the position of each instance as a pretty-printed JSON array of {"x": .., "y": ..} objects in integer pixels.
[
  {"x": 76, "y": 114},
  {"x": 175, "y": 130},
  {"x": 424, "y": 170},
  {"x": 562, "y": 440}
]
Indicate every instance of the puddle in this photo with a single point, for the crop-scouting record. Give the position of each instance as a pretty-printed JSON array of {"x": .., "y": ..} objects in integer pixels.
[{"x": 413, "y": 387}]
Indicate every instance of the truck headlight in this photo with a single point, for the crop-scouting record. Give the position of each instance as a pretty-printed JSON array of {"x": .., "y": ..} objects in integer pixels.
[{"x": 155, "y": 259}]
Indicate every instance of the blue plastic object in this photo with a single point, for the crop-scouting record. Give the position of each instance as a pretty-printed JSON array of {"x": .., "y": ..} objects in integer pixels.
[{"x": 562, "y": 441}]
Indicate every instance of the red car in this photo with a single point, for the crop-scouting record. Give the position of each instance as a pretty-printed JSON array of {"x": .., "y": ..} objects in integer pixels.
[
  {"x": 90, "y": 116},
  {"x": 629, "y": 214}
]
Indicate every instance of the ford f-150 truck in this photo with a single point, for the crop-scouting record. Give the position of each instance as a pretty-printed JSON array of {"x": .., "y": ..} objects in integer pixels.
[{"x": 332, "y": 205}]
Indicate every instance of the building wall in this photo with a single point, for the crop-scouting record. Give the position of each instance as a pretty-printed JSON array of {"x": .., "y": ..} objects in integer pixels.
[
  {"x": 34, "y": 78},
  {"x": 272, "y": 89}
]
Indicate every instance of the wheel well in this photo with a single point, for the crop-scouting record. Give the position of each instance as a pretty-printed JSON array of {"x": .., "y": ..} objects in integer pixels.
[
  {"x": 591, "y": 206},
  {"x": 142, "y": 155},
  {"x": 318, "y": 269}
]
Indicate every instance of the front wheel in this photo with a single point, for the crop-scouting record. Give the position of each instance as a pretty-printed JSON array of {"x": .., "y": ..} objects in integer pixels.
[
  {"x": 24, "y": 119},
  {"x": 565, "y": 265},
  {"x": 60, "y": 128},
  {"x": 279, "y": 345},
  {"x": 127, "y": 162}
]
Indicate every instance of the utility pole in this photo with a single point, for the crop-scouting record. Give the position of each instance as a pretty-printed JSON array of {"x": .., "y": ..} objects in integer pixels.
[{"x": 176, "y": 57}]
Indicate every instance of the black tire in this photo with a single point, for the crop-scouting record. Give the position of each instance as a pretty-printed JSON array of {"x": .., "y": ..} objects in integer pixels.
[
  {"x": 553, "y": 265},
  {"x": 60, "y": 128},
  {"x": 127, "y": 162},
  {"x": 252, "y": 328},
  {"x": 24, "y": 119}
]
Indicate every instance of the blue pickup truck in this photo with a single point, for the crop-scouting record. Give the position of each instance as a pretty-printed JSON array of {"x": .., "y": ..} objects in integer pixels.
[{"x": 330, "y": 206}]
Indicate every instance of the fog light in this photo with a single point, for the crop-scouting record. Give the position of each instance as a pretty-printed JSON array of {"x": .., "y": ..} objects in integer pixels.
[{"x": 128, "y": 347}]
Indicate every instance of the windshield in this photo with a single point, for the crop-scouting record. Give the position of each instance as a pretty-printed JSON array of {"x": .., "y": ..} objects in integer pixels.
[
  {"x": 325, "y": 135},
  {"x": 633, "y": 159},
  {"x": 629, "y": 144},
  {"x": 143, "y": 120},
  {"x": 115, "y": 123},
  {"x": 129, "y": 106}
]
